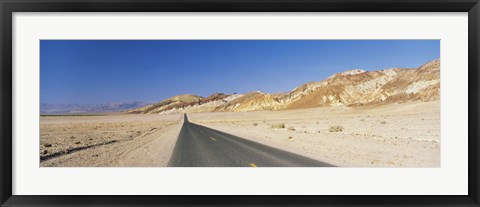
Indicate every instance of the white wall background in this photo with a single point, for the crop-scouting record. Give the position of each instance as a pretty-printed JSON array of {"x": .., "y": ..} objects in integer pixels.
[{"x": 451, "y": 178}]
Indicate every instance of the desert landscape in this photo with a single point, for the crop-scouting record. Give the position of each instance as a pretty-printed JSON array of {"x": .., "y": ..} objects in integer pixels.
[
  {"x": 357, "y": 118},
  {"x": 394, "y": 135},
  {"x": 107, "y": 140}
]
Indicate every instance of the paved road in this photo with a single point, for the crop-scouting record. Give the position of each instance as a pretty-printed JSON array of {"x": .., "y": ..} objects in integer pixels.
[{"x": 199, "y": 146}]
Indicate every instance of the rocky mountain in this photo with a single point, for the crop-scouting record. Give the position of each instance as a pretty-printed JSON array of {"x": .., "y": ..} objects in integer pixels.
[
  {"x": 47, "y": 108},
  {"x": 350, "y": 88},
  {"x": 375, "y": 87}
]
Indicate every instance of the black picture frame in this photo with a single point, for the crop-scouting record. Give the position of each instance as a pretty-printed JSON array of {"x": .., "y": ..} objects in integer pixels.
[{"x": 7, "y": 7}]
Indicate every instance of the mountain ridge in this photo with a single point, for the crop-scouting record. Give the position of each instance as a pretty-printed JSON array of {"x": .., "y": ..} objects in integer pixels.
[
  {"x": 75, "y": 108},
  {"x": 349, "y": 88}
]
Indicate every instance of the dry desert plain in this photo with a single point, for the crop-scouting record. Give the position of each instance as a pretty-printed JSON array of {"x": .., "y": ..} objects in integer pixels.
[{"x": 393, "y": 135}]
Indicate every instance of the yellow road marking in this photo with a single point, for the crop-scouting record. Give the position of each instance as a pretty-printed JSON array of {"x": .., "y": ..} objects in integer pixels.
[
  {"x": 213, "y": 139},
  {"x": 253, "y": 165}
]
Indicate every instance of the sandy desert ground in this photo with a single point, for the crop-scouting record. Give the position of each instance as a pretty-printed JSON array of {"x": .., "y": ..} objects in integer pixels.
[
  {"x": 108, "y": 141},
  {"x": 395, "y": 135}
]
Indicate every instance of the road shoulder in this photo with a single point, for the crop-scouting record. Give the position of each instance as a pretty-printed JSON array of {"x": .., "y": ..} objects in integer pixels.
[{"x": 156, "y": 153}]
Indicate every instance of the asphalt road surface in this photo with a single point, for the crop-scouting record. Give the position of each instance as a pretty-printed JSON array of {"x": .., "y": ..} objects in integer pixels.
[{"x": 199, "y": 146}]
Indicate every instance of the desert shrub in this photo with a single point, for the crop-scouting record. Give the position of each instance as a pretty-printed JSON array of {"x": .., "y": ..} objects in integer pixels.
[
  {"x": 383, "y": 122},
  {"x": 278, "y": 126},
  {"x": 255, "y": 124},
  {"x": 291, "y": 128},
  {"x": 336, "y": 129}
]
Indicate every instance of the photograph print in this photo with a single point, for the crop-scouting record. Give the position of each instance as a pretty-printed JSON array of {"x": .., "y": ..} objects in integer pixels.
[{"x": 240, "y": 103}]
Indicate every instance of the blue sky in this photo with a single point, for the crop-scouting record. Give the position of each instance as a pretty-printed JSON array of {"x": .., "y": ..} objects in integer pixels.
[{"x": 106, "y": 71}]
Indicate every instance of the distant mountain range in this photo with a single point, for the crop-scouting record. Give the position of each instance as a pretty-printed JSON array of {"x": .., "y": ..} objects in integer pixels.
[
  {"x": 88, "y": 108},
  {"x": 351, "y": 88}
]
